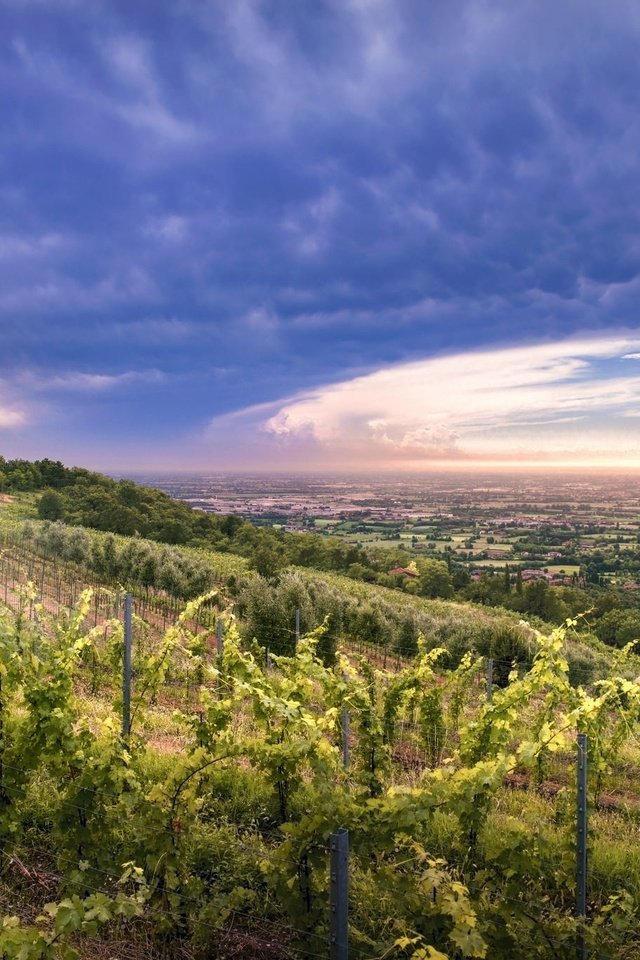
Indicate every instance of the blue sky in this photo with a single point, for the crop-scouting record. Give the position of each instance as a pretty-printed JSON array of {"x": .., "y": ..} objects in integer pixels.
[{"x": 317, "y": 234}]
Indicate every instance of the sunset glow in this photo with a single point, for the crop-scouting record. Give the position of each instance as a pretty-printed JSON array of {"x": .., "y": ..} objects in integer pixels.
[{"x": 567, "y": 403}]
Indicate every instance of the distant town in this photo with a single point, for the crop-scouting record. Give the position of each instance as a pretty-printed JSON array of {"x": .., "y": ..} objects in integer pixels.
[{"x": 567, "y": 530}]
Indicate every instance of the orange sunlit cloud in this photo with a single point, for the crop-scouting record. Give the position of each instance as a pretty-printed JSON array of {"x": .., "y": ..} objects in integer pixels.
[{"x": 570, "y": 402}]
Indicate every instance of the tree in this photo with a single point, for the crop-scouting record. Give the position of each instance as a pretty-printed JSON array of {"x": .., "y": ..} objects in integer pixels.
[
  {"x": 543, "y": 601},
  {"x": 110, "y": 556},
  {"x": 230, "y": 524},
  {"x": 618, "y": 627},
  {"x": 435, "y": 579},
  {"x": 50, "y": 506},
  {"x": 269, "y": 560}
]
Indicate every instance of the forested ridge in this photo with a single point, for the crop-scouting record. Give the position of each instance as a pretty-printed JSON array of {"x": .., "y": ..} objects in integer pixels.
[{"x": 81, "y": 497}]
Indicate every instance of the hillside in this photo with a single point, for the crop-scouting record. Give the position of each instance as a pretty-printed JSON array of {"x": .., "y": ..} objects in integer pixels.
[
  {"x": 79, "y": 497},
  {"x": 268, "y": 713},
  {"x": 364, "y": 615}
]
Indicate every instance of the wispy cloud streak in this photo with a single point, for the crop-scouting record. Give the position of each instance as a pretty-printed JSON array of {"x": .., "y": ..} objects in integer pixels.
[{"x": 472, "y": 405}]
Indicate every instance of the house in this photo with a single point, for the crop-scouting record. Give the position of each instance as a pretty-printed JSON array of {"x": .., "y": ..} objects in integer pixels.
[
  {"x": 532, "y": 574},
  {"x": 402, "y": 572}
]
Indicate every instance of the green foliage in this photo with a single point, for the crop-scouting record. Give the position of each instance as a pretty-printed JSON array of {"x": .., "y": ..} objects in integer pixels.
[
  {"x": 71, "y": 917},
  {"x": 50, "y": 505},
  {"x": 81, "y": 498},
  {"x": 431, "y": 875},
  {"x": 434, "y": 579},
  {"x": 133, "y": 562},
  {"x": 618, "y": 627},
  {"x": 267, "y": 612}
]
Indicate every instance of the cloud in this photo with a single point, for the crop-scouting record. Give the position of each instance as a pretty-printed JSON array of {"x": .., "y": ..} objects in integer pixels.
[
  {"x": 136, "y": 97},
  {"x": 130, "y": 59},
  {"x": 43, "y": 3},
  {"x": 318, "y": 192},
  {"x": 57, "y": 292},
  {"x": 151, "y": 331},
  {"x": 14, "y": 246},
  {"x": 475, "y": 405},
  {"x": 14, "y": 412},
  {"x": 11, "y": 418},
  {"x": 311, "y": 224},
  {"x": 83, "y": 382},
  {"x": 171, "y": 227}
]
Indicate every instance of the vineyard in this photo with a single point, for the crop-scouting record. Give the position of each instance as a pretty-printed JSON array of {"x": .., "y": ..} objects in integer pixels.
[
  {"x": 197, "y": 801},
  {"x": 362, "y": 614}
]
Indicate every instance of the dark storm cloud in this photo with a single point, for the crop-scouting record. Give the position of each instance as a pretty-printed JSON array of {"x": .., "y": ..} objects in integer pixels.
[{"x": 291, "y": 193}]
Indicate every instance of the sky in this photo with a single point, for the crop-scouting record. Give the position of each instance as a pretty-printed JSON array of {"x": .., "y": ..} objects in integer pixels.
[{"x": 334, "y": 234}]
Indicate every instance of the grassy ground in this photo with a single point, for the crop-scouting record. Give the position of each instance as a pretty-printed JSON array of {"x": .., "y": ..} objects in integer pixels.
[{"x": 14, "y": 510}]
